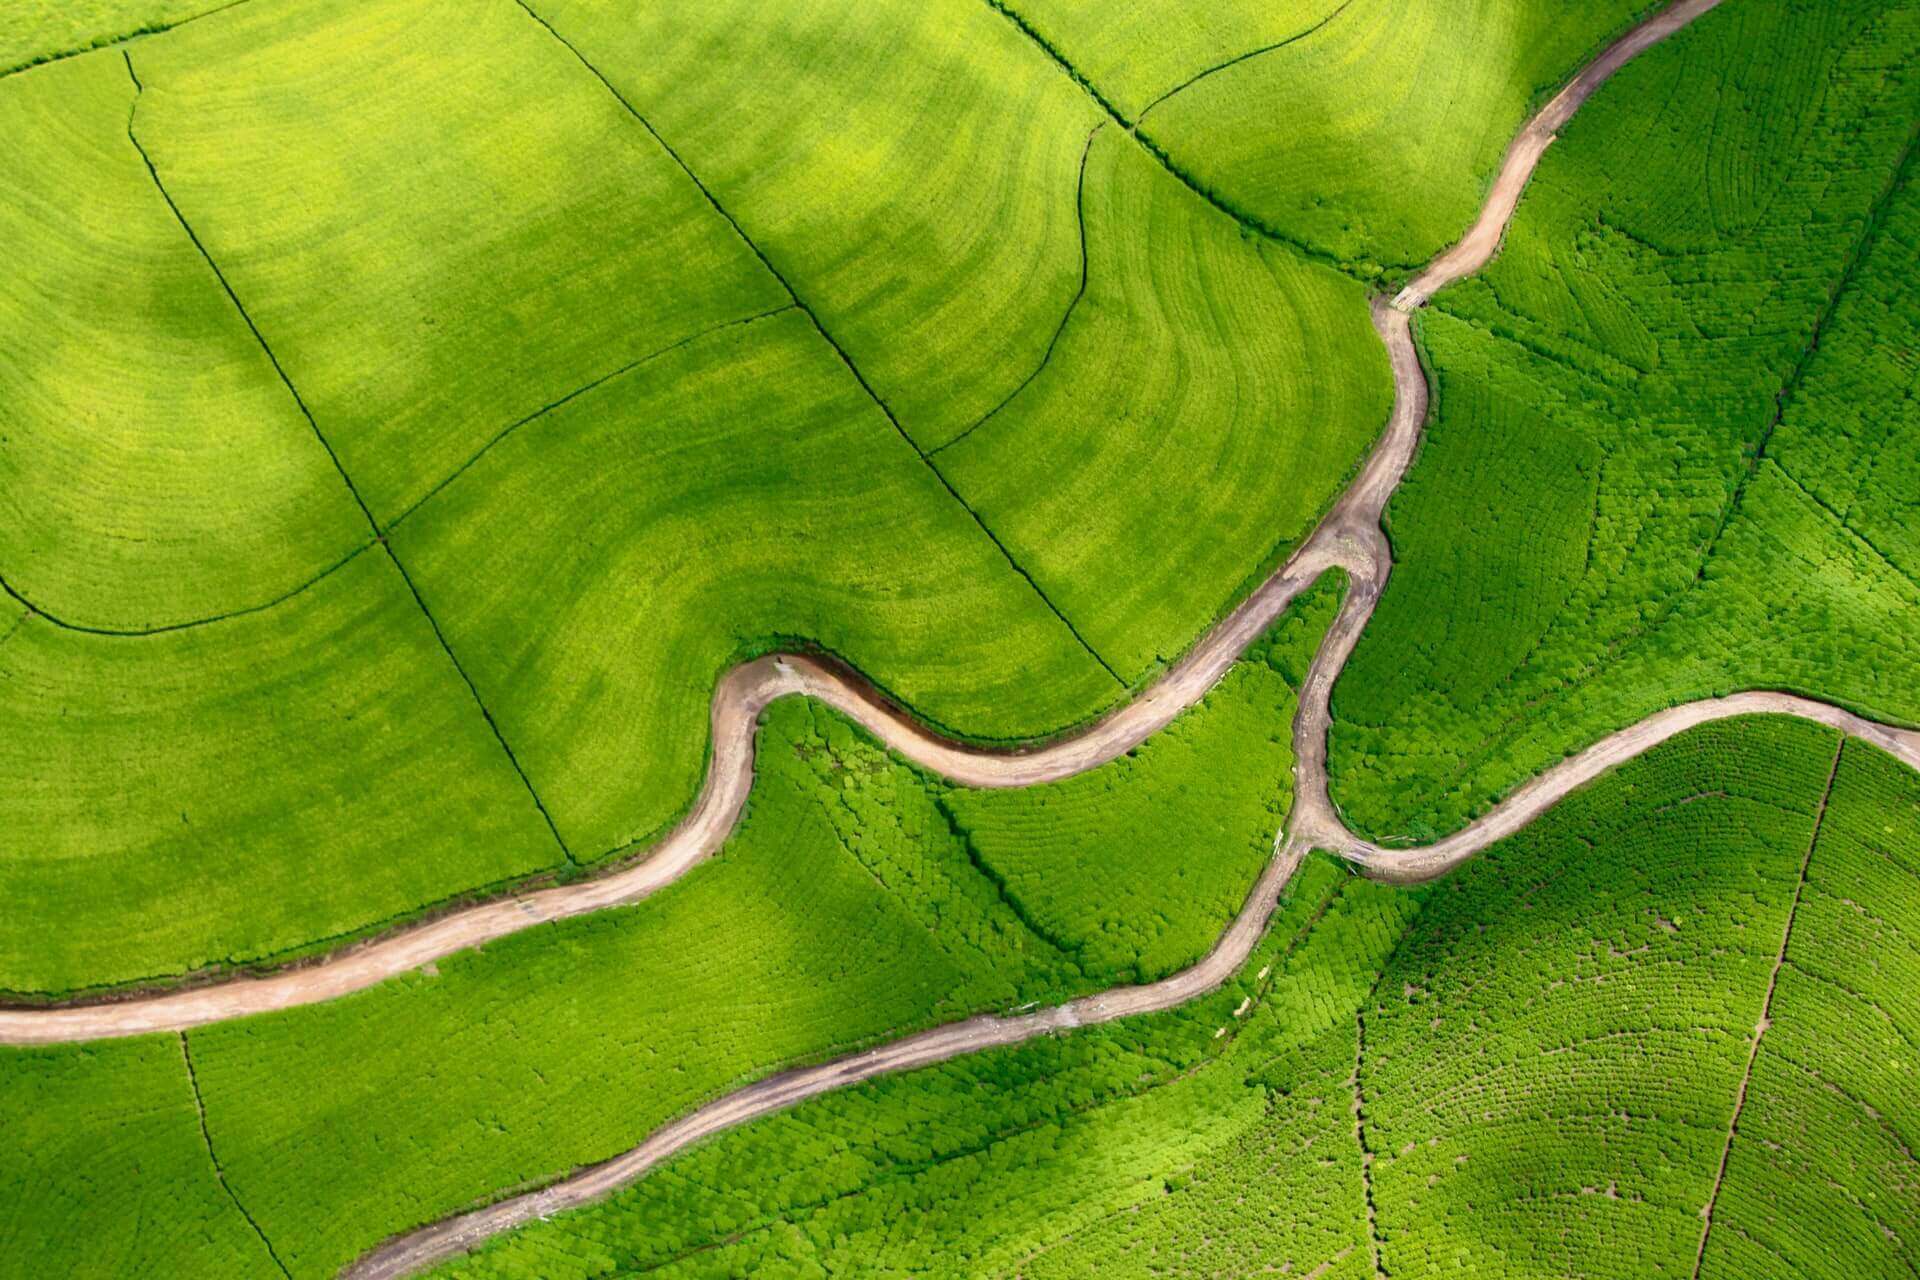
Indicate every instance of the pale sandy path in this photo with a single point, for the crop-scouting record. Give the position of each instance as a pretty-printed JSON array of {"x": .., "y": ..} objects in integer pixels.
[{"x": 1350, "y": 539}]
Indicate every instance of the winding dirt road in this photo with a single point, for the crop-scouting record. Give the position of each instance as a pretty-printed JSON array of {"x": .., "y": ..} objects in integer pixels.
[{"x": 1350, "y": 538}]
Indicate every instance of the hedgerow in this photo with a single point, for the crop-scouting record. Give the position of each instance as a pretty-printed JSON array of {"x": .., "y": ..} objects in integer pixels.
[
  {"x": 1710, "y": 250},
  {"x": 49, "y": 31}
]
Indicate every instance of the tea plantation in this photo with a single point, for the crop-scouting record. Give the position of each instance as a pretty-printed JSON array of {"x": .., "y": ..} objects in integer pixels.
[
  {"x": 1530, "y": 1070},
  {"x": 1678, "y": 415},
  {"x": 414, "y": 413}
]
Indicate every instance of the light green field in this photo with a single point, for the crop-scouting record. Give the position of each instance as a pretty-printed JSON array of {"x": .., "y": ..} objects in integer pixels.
[
  {"x": 179, "y": 801},
  {"x": 609, "y": 474},
  {"x": 1674, "y": 415},
  {"x": 1099, "y": 462},
  {"x": 432, "y": 262},
  {"x": 410, "y": 409},
  {"x": 859, "y": 899},
  {"x": 730, "y": 497},
  {"x": 155, "y": 470},
  {"x": 38, "y": 30},
  {"x": 909, "y": 168}
]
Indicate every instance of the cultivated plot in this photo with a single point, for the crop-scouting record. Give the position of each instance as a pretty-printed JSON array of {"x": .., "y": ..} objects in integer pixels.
[{"x": 1644, "y": 409}]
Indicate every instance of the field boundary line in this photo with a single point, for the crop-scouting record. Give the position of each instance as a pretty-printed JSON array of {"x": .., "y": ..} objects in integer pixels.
[
  {"x": 307, "y": 413},
  {"x": 1766, "y": 1011},
  {"x": 1783, "y": 398},
  {"x": 584, "y": 388},
  {"x": 115, "y": 42},
  {"x": 1163, "y": 158},
  {"x": 213, "y": 1158},
  {"x": 1237, "y": 59},
  {"x": 1360, "y": 1132},
  {"x": 807, "y": 309},
  {"x": 1080, "y": 212},
  {"x": 1349, "y": 538},
  {"x": 136, "y": 633}
]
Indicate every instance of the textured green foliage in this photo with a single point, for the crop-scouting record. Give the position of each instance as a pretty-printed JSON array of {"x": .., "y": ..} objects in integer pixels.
[
  {"x": 1826, "y": 1136},
  {"x": 420, "y": 317},
  {"x": 180, "y": 800},
  {"x": 1712, "y": 250},
  {"x": 739, "y": 491},
  {"x": 1137, "y": 51},
  {"x": 1553, "y": 1041},
  {"x": 909, "y": 167},
  {"x": 106, "y": 1173},
  {"x": 1372, "y": 138},
  {"x": 1110, "y": 1132},
  {"x": 153, "y": 467},
  {"x": 1554, "y": 1053},
  {"x": 1136, "y": 866},
  {"x": 846, "y": 909},
  {"x": 609, "y": 451},
  {"x": 1186, "y": 405}
]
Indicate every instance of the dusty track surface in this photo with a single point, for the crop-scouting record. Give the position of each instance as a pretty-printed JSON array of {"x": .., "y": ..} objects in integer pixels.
[{"x": 1349, "y": 538}]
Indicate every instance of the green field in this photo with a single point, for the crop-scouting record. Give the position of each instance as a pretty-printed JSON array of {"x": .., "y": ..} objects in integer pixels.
[
  {"x": 411, "y": 410},
  {"x": 607, "y": 474},
  {"x": 1553, "y": 1044},
  {"x": 860, "y": 898},
  {"x": 1371, "y": 138},
  {"x": 1653, "y": 412}
]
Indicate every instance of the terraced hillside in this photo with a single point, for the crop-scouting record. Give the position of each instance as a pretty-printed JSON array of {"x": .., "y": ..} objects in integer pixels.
[{"x": 780, "y": 639}]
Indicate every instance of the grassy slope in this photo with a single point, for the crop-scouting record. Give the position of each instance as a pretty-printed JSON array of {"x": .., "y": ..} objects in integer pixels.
[
  {"x": 538, "y": 239},
  {"x": 1206, "y": 399},
  {"x": 178, "y": 801},
  {"x": 848, "y": 908},
  {"x": 1603, "y": 394},
  {"x": 1642, "y": 915},
  {"x": 106, "y": 1173},
  {"x": 1394, "y": 117},
  {"x": 153, "y": 468},
  {"x": 726, "y": 498},
  {"x": 1827, "y": 1132}
]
